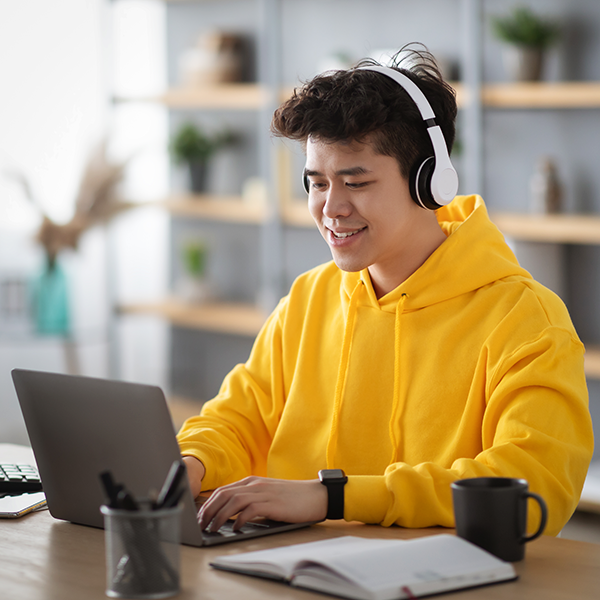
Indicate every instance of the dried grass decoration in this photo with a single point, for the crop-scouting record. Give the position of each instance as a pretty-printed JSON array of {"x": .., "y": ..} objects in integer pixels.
[{"x": 96, "y": 203}]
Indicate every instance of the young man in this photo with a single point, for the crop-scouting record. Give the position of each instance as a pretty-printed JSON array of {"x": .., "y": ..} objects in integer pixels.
[{"x": 422, "y": 354}]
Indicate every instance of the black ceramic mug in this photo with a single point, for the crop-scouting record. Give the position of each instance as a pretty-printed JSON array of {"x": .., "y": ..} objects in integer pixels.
[{"x": 492, "y": 513}]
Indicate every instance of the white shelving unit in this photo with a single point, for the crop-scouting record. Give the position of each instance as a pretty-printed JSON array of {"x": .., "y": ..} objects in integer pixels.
[{"x": 283, "y": 210}]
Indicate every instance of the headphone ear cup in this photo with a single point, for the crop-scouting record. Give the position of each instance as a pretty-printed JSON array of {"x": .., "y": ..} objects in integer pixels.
[
  {"x": 305, "y": 182},
  {"x": 420, "y": 184}
]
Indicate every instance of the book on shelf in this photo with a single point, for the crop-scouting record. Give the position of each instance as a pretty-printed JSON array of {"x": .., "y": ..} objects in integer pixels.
[{"x": 375, "y": 569}]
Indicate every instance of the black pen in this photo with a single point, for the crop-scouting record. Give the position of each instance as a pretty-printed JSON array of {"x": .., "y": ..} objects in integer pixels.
[
  {"x": 171, "y": 485},
  {"x": 111, "y": 488},
  {"x": 125, "y": 501}
]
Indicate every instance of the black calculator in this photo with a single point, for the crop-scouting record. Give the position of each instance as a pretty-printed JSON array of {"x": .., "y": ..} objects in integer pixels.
[{"x": 19, "y": 478}]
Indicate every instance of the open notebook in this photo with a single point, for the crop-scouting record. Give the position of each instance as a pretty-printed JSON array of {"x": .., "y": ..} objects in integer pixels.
[{"x": 375, "y": 569}]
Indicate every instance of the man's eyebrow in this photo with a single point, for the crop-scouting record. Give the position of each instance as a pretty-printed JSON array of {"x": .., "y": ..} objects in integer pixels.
[{"x": 349, "y": 171}]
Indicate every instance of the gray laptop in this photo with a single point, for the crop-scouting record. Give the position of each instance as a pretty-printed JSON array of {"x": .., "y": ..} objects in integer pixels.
[{"x": 80, "y": 427}]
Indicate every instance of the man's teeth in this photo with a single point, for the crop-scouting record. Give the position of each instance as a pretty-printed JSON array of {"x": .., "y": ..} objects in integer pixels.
[{"x": 345, "y": 235}]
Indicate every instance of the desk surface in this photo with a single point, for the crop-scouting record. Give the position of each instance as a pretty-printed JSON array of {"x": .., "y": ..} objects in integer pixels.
[{"x": 42, "y": 558}]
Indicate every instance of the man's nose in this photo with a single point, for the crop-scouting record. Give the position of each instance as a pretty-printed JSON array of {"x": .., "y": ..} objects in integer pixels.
[{"x": 337, "y": 202}]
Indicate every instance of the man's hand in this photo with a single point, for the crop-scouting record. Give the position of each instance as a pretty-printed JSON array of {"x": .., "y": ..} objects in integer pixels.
[
  {"x": 277, "y": 499},
  {"x": 195, "y": 473}
]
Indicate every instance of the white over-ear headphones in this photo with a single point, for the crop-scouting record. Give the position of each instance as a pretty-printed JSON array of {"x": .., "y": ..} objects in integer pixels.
[{"x": 434, "y": 182}]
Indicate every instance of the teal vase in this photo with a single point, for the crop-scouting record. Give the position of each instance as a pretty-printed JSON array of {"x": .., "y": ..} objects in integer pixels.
[{"x": 50, "y": 300}]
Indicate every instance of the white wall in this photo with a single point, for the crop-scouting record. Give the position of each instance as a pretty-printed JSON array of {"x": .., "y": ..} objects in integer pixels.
[{"x": 59, "y": 63}]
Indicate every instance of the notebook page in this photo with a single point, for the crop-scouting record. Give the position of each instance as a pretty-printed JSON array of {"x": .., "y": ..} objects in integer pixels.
[
  {"x": 282, "y": 561},
  {"x": 423, "y": 562}
]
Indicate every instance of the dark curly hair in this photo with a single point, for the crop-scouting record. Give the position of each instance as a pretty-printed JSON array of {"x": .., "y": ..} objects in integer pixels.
[{"x": 346, "y": 106}]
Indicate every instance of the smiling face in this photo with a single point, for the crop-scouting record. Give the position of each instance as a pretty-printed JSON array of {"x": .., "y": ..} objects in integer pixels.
[{"x": 363, "y": 209}]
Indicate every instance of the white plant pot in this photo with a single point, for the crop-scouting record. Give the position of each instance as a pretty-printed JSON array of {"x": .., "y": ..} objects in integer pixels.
[
  {"x": 523, "y": 63},
  {"x": 193, "y": 290}
]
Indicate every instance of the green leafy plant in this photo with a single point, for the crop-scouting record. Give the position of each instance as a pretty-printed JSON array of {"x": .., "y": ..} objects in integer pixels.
[
  {"x": 524, "y": 28},
  {"x": 190, "y": 143},
  {"x": 194, "y": 258}
]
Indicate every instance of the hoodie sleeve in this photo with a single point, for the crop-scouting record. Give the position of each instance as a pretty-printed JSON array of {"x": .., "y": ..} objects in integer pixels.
[
  {"x": 536, "y": 425},
  {"x": 233, "y": 433}
]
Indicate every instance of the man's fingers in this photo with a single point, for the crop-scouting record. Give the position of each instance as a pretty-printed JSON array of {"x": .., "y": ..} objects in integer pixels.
[
  {"x": 226, "y": 503},
  {"x": 250, "y": 512},
  {"x": 245, "y": 509},
  {"x": 210, "y": 508}
]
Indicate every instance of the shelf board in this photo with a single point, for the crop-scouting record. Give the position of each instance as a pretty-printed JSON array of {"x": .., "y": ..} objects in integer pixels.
[
  {"x": 230, "y": 96},
  {"x": 236, "y": 319},
  {"x": 253, "y": 96},
  {"x": 562, "y": 229},
  {"x": 542, "y": 95},
  {"x": 217, "y": 208},
  {"x": 592, "y": 361}
]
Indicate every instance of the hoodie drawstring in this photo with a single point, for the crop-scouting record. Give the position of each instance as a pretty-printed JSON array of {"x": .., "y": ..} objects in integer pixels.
[
  {"x": 395, "y": 416},
  {"x": 342, "y": 374}
]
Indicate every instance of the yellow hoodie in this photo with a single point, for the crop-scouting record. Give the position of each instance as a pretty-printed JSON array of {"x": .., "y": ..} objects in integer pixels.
[{"x": 469, "y": 368}]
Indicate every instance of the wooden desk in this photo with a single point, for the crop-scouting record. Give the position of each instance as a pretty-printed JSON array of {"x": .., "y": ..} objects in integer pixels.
[
  {"x": 42, "y": 559},
  {"x": 45, "y": 559}
]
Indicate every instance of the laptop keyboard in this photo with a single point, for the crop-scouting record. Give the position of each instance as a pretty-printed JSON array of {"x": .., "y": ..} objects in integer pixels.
[
  {"x": 226, "y": 530},
  {"x": 19, "y": 478}
]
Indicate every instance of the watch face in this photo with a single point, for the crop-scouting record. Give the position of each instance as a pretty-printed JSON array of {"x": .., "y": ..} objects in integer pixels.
[{"x": 332, "y": 474}]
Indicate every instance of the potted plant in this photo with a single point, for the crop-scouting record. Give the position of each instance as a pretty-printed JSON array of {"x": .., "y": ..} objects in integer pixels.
[
  {"x": 527, "y": 36},
  {"x": 193, "y": 285},
  {"x": 193, "y": 147}
]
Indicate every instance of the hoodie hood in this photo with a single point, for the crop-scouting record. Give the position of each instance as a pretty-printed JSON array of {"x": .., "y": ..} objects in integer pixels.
[{"x": 474, "y": 255}]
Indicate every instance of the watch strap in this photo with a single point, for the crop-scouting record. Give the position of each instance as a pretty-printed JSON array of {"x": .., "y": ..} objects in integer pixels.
[
  {"x": 335, "y": 504},
  {"x": 335, "y": 492}
]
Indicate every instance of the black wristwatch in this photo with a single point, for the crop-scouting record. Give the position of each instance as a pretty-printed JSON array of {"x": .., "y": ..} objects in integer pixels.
[{"x": 334, "y": 480}]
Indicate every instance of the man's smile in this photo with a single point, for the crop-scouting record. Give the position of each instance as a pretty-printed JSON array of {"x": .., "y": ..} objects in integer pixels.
[{"x": 340, "y": 235}]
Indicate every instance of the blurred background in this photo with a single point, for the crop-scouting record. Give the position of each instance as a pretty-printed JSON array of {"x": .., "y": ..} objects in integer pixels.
[{"x": 149, "y": 223}]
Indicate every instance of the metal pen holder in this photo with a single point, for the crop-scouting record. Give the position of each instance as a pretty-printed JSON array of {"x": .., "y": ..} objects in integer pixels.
[{"x": 142, "y": 552}]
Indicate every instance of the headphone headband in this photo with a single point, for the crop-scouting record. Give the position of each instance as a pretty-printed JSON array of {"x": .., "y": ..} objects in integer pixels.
[
  {"x": 444, "y": 180},
  {"x": 412, "y": 89}
]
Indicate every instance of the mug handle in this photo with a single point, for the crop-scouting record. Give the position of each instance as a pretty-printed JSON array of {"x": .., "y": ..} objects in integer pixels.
[{"x": 543, "y": 519}]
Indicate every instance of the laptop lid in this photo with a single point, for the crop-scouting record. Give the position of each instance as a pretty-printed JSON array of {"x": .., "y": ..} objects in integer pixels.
[{"x": 80, "y": 427}]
